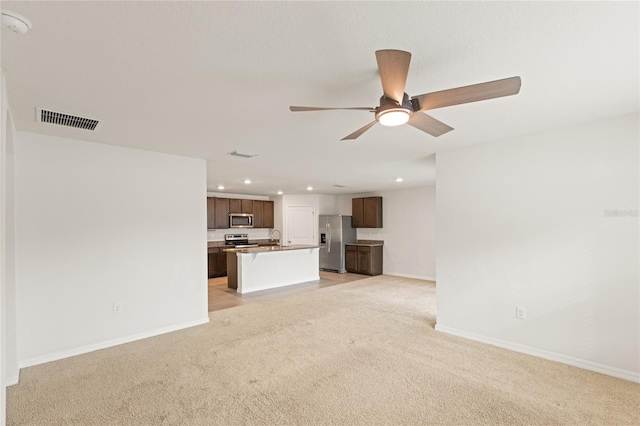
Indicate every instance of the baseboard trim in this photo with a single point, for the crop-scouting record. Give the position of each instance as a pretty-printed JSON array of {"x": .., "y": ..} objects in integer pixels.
[
  {"x": 109, "y": 343},
  {"x": 13, "y": 380},
  {"x": 541, "y": 353},
  {"x": 417, "y": 277}
]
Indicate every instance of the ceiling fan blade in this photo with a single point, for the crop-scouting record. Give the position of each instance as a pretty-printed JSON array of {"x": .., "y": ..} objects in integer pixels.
[
  {"x": 428, "y": 124},
  {"x": 359, "y": 132},
  {"x": 393, "y": 66},
  {"x": 476, "y": 92},
  {"x": 302, "y": 108}
]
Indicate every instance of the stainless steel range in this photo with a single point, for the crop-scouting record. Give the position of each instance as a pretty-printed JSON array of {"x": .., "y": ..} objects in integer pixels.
[{"x": 237, "y": 241}]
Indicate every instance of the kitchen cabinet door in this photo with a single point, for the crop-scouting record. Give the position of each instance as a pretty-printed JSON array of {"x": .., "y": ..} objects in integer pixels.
[
  {"x": 373, "y": 262},
  {"x": 357, "y": 212},
  {"x": 246, "y": 206},
  {"x": 267, "y": 218},
  {"x": 212, "y": 265},
  {"x": 221, "y": 264},
  {"x": 221, "y": 216},
  {"x": 372, "y": 212},
  {"x": 235, "y": 205},
  {"x": 211, "y": 207},
  {"x": 363, "y": 260},
  {"x": 351, "y": 258},
  {"x": 258, "y": 214},
  {"x": 217, "y": 262}
]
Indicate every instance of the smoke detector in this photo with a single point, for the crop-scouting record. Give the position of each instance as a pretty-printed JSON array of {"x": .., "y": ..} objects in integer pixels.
[{"x": 13, "y": 22}]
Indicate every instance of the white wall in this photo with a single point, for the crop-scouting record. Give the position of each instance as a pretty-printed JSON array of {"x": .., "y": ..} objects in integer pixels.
[
  {"x": 327, "y": 204},
  {"x": 409, "y": 230},
  {"x": 10, "y": 366},
  {"x": 278, "y": 214},
  {"x": 8, "y": 347},
  {"x": 98, "y": 224},
  {"x": 524, "y": 222},
  {"x": 301, "y": 200}
]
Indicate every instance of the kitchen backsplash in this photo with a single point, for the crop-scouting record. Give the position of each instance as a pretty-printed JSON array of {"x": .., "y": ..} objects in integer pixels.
[
  {"x": 370, "y": 234},
  {"x": 254, "y": 234}
]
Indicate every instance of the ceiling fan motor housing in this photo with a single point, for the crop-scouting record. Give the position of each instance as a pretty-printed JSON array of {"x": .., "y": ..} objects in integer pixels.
[{"x": 388, "y": 102}]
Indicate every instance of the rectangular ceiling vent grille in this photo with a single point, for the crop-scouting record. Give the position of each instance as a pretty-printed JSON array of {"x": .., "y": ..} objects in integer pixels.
[
  {"x": 340, "y": 186},
  {"x": 69, "y": 120},
  {"x": 243, "y": 155}
]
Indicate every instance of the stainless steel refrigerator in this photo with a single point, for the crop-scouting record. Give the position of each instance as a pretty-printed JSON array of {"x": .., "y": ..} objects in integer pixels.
[{"x": 335, "y": 232}]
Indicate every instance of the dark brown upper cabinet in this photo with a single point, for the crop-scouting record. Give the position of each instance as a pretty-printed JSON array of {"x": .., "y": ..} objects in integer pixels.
[
  {"x": 246, "y": 206},
  {"x": 221, "y": 216},
  {"x": 267, "y": 218},
  {"x": 366, "y": 212},
  {"x": 235, "y": 205},
  {"x": 357, "y": 212},
  {"x": 262, "y": 214},
  {"x": 258, "y": 214},
  {"x": 211, "y": 209},
  {"x": 218, "y": 210}
]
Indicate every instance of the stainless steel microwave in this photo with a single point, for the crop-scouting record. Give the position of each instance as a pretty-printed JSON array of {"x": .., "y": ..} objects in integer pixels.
[{"x": 240, "y": 220}]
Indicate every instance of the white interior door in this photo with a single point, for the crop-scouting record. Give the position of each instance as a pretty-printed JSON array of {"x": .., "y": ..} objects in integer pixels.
[{"x": 300, "y": 225}]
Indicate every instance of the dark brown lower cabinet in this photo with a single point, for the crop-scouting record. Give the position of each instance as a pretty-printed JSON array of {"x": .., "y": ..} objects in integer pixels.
[
  {"x": 363, "y": 259},
  {"x": 351, "y": 258},
  {"x": 217, "y": 262},
  {"x": 232, "y": 269}
]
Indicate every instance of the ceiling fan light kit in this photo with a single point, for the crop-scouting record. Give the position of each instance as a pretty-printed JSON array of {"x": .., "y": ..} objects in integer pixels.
[
  {"x": 397, "y": 108},
  {"x": 393, "y": 116}
]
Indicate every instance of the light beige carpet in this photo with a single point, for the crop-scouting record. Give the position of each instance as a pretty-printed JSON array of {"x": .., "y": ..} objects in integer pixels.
[{"x": 364, "y": 353}]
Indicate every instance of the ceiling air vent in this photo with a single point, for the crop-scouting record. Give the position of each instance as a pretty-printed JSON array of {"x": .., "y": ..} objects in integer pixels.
[
  {"x": 241, "y": 154},
  {"x": 340, "y": 186},
  {"x": 69, "y": 120}
]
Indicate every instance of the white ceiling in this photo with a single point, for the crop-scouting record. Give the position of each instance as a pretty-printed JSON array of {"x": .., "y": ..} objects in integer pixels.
[{"x": 202, "y": 79}]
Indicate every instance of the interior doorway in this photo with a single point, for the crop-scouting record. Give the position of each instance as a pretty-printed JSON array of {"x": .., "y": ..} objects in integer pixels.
[{"x": 300, "y": 226}]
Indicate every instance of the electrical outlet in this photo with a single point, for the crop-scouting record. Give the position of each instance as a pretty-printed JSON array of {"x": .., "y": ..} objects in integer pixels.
[
  {"x": 521, "y": 312},
  {"x": 117, "y": 307}
]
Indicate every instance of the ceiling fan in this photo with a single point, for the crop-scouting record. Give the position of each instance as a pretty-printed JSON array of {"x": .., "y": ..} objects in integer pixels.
[{"x": 396, "y": 107}]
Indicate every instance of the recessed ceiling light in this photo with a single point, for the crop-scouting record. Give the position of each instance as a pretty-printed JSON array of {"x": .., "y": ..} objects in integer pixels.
[
  {"x": 309, "y": 188},
  {"x": 221, "y": 187},
  {"x": 279, "y": 192},
  {"x": 399, "y": 179},
  {"x": 247, "y": 181}
]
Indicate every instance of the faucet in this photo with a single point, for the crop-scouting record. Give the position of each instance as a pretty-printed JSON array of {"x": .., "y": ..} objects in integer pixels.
[{"x": 279, "y": 236}]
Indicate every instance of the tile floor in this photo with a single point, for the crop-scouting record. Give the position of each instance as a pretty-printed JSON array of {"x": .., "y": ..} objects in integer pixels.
[{"x": 221, "y": 297}]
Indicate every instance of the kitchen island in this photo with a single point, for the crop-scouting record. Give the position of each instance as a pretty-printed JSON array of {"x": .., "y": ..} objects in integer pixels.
[{"x": 262, "y": 268}]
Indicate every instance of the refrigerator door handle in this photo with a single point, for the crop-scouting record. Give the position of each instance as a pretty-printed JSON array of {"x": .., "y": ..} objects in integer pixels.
[{"x": 329, "y": 238}]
